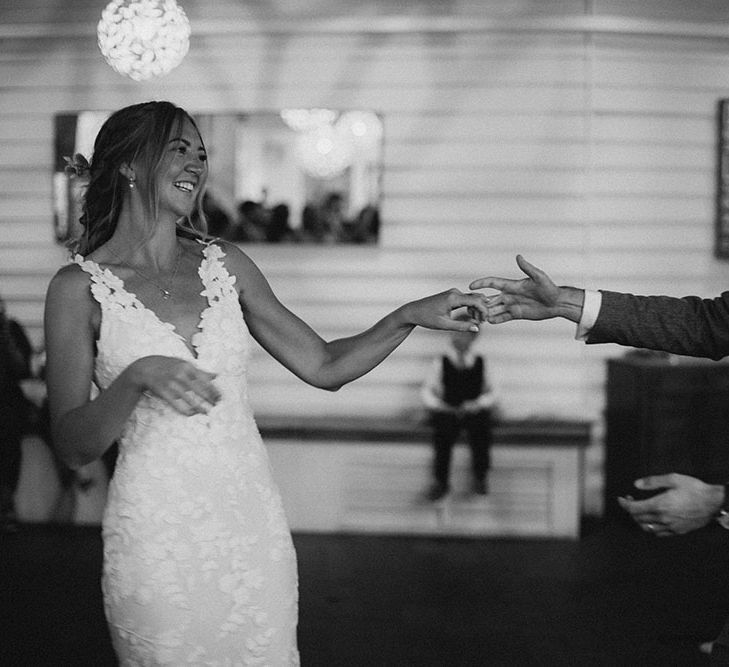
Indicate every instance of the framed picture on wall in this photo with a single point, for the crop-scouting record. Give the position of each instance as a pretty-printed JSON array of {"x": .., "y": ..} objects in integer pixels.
[{"x": 721, "y": 238}]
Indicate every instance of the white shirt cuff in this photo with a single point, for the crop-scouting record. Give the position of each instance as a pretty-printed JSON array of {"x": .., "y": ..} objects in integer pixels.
[{"x": 590, "y": 311}]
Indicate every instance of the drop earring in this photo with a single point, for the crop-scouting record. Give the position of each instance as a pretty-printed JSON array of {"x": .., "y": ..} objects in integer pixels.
[{"x": 131, "y": 184}]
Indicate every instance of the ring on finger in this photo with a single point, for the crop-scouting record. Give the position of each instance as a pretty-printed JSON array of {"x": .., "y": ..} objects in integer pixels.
[{"x": 650, "y": 527}]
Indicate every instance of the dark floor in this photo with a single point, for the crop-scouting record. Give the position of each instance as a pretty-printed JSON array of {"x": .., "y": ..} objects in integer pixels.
[{"x": 615, "y": 597}]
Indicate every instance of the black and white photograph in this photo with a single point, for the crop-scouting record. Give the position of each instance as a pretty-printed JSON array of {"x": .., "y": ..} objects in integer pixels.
[{"x": 364, "y": 333}]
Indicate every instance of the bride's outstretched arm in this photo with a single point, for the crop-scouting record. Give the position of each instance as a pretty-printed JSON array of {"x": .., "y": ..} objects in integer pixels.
[{"x": 331, "y": 364}]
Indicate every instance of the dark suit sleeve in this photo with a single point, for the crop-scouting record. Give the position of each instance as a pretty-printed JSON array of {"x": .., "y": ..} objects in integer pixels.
[{"x": 690, "y": 325}]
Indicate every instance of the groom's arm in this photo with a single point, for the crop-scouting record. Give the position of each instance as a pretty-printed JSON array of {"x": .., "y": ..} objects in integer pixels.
[{"x": 690, "y": 325}]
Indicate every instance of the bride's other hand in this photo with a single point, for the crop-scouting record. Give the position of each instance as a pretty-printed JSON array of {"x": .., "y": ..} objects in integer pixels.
[{"x": 183, "y": 386}]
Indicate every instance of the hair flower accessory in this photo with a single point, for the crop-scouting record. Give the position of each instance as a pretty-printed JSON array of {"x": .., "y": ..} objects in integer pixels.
[{"x": 77, "y": 165}]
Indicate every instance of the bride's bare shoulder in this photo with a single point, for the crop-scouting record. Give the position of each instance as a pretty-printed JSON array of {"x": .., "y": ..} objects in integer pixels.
[
  {"x": 235, "y": 258},
  {"x": 70, "y": 285}
]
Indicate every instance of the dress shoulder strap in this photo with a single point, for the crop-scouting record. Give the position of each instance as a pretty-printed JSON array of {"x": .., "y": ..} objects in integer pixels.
[
  {"x": 213, "y": 273},
  {"x": 105, "y": 286},
  {"x": 88, "y": 265}
]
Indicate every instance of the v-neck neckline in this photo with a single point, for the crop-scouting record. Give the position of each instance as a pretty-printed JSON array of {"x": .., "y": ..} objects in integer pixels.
[{"x": 192, "y": 348}]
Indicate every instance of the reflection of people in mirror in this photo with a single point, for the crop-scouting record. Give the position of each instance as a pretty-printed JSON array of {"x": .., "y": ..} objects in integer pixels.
[
  {"x": 257, "y": 223},
  {"x": 332, "y": 217},
  {"x": 218, "y": 222},
  {"x": 365, "y": 228},
  {"x": 199, "y": 564},
  {"x": 312, "y": 230},
  {"x": 278, "y": 229},
  {"x": 250, "y": 227},
  {"x": 324, "y": 223}
]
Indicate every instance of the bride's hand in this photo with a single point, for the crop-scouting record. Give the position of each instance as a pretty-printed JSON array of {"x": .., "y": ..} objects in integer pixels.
[
  {"x": 435, "y": 312},
  {"x": 183, "y": 386}
]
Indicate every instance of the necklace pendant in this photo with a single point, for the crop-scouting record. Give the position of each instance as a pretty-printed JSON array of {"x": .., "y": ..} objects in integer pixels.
[{"x": 165, "y": 294}]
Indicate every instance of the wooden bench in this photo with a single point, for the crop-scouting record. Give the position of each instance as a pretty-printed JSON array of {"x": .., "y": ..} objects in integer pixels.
[{"x": 368, "y": 475}]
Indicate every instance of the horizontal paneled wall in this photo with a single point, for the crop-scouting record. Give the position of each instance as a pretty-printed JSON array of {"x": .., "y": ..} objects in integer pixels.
[{"x": 581, "y": 134}]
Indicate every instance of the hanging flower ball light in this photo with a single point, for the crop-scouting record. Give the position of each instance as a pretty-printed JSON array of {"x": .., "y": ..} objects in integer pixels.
[{"x": 143, "y": 38}]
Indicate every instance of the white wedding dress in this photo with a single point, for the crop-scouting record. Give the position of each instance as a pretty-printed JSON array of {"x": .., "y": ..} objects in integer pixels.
[{"x": 199, "y": 565}]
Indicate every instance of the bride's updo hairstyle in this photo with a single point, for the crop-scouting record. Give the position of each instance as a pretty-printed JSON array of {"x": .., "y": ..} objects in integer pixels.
[{"x": 136, "y": 134}]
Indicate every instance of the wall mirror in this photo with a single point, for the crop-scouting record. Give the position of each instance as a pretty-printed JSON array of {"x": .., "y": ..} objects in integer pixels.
[{"x": 294, "y": 176}]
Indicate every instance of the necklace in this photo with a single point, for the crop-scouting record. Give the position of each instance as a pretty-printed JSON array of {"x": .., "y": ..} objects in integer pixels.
[{"x": 165, "y": 292}]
